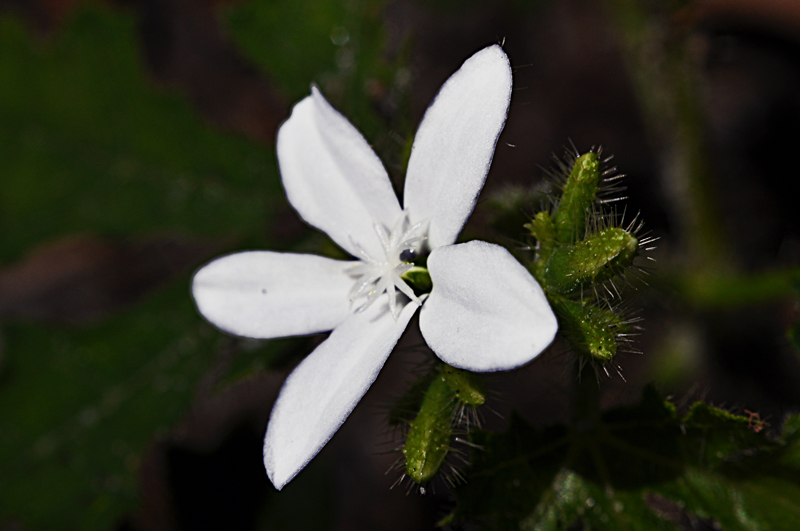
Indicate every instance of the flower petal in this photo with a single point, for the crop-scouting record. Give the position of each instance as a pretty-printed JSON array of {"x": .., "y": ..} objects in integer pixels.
[
  {"x": 333, "y": 178},
  {"x": 486, "y": 312},
  {"x": 266, "y": 294},
  {"x": 455, "y": 144},
  {"x": 322, "y": 391}
]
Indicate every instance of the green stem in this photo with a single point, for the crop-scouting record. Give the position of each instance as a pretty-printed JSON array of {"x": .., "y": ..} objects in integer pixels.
[
  {"x": 704, "y": 289},
  {"x": 666, "y": 83}
]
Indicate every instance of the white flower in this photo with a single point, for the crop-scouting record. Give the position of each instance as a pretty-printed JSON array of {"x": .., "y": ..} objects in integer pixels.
[{"x": 485, "y": 312}]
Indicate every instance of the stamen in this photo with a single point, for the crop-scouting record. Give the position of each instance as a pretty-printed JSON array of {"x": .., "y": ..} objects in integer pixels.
[
  {"x": 398, "y": 226},
  {"x": 362, "y": 253},
  {"x": 374, "y": 276},
  {"x": 382, "y": 236},
  {"x": 359, "y": 287},
  {"x": 405, "y": 288},
  {"x": 392, "y": 299}
]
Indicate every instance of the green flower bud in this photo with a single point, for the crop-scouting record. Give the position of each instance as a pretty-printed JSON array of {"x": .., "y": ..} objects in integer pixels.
[
  {"x": 580, "y": 193},
  {"x": 439, "y": 400},
  {"x": 593, "y": 330},
  {"x": 596, "y": 259},
  {"x": 428, "y": 439},
  {"x": 467, "y": 386},
  {"x": 543, "y": 229}
]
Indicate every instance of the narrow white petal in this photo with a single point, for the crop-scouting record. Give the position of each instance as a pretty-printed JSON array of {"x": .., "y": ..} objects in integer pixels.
[
  {"x": 332, "y": 177},
  {"x": 455, "y": 143},
  {"x": 486, "y": 312},
  {"x": 322, "y": 391},
  {"x": 265, "y": 294}
]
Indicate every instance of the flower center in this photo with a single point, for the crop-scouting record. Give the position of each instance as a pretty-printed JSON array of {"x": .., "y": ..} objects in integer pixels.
[{"x": 377, "y": 275}]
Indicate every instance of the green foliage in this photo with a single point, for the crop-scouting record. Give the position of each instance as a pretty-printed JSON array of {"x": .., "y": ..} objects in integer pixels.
[
  {"x": 334, "y": 43},
  {"x": 340, "y": 46},
  {"x": 306, "y": 46},
  {"x": 609, "y": 473},
  {"x": 78, "y": 407},
  {"x": 88, "y": 145}
]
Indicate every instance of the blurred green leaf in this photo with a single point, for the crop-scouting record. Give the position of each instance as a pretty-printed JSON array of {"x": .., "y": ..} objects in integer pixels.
[
  {"x": 87, "y": 144},
  {"x": 293, "y": 40},
  {"x": 77, "y": 407},
  {"x": 710, "y": 463},
  {"x": 330, "y": 42},
  {"x": 340, "y": 46}
]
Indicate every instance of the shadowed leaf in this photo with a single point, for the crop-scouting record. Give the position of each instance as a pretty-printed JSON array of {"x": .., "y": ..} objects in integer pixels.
[{"x": 711, "y": 463}]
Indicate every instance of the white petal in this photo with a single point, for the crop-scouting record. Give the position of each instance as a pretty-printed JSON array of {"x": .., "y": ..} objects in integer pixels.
[
  {"x": 486, "y": 312},
  {"x": 332, "y": 177},
  {"x": 455, "y": 144},
  {"x": 265, "y": 294},
  {"x": 322, "y": 391}
]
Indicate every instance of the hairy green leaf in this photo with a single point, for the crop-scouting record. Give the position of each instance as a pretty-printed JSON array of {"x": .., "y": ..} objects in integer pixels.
[{"x": 607, "y": 473}]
